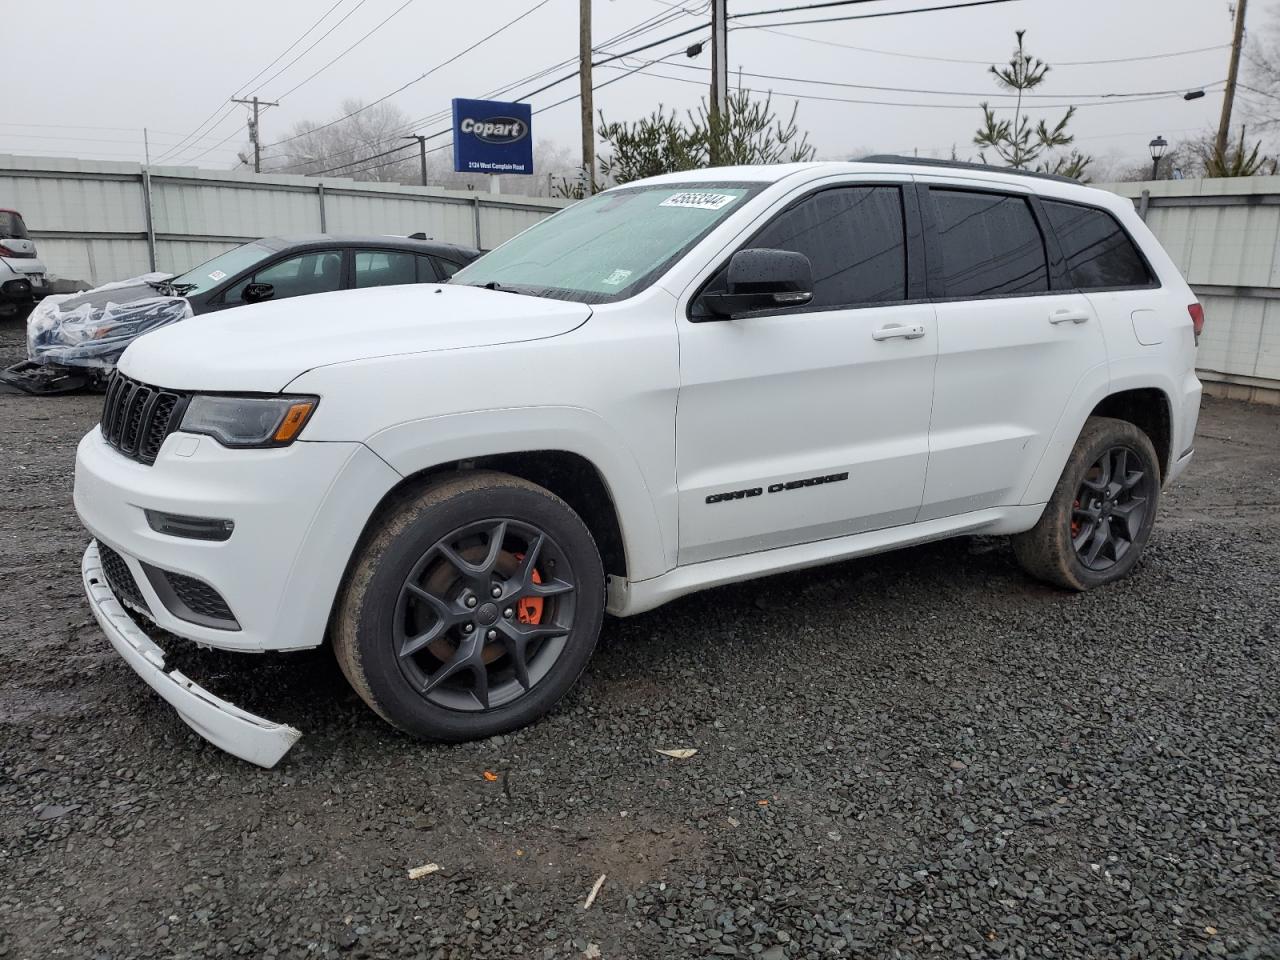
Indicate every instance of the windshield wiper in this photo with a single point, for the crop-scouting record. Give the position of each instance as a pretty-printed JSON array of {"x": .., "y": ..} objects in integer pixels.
[
  {"x": 169, "y": 288},
  {"x": 507, "y": 288}
]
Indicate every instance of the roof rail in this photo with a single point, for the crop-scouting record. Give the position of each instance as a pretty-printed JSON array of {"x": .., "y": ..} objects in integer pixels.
[{"x": 963, "y": 165}]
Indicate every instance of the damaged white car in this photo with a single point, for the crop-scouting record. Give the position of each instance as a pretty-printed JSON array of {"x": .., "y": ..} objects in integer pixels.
[{"x": 675, "y": 384}]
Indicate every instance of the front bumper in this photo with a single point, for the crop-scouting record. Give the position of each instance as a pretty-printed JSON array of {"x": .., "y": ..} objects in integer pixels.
[
  {"x": 298, "y": 513},
  {"x": 223, "y": 724}
]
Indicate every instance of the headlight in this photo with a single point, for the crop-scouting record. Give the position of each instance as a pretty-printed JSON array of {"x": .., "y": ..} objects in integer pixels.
[{"x": 249, "y": 421}]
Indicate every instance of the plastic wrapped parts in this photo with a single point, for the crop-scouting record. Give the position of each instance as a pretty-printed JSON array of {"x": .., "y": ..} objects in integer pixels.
[{"x": 95, "y": 330}]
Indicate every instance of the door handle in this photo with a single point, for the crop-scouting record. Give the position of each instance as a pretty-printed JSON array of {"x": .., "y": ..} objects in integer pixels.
[
  {"x": 896, "y": 331},
  {"x": 1065, "y": 316}
]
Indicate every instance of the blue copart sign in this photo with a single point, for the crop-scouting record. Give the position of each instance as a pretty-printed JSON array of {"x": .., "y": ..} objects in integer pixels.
[{"x": 490, "y": 136}]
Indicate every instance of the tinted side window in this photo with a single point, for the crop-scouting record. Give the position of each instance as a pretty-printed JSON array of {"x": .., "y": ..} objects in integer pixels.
[
  {"x": 853, "y": 236},
  {"x": 990, "y": 244},
  {"x": 447, "y": 267},
  {"x": 384, "y": 268},
  {"x": 317, "y": 272},
  {"x": 1099, "y": 253}
]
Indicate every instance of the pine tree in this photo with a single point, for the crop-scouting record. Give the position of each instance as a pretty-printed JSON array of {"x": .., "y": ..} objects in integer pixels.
[{"x": 1018, "y": 142}]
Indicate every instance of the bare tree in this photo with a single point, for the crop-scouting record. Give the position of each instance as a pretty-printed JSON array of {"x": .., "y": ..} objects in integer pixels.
[{"x": 351, "y": 147}]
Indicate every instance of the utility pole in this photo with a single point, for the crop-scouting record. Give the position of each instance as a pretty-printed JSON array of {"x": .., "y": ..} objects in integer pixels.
[
  {"x": 584, "y": 95},
  {"x": 422, "y": 153},
  {"x": 254, "y": 129},
  {"x": 146, "y": 145},
  {"x": 1229, "y": 96},
  {"x": 719, "y": 73}
]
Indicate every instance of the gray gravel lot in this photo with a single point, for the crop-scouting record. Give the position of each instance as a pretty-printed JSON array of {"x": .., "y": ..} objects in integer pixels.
[{"x": 923, "y": 754}]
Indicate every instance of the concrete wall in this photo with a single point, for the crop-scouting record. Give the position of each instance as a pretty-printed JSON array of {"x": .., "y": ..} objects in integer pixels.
[
  {"x": 98, "y": 221},
  {"x": 1224, "y": 235}
]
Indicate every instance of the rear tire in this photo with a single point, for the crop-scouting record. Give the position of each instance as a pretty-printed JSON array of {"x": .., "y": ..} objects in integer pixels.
[
  {"x": 472, "y": 608},
  {"x": 1098, "y": 521}
]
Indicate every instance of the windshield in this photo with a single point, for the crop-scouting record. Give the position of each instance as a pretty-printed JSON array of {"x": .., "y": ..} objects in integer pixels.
[
  {"x": 212, "y": 272},
  {"x": 610, "y": 246}
]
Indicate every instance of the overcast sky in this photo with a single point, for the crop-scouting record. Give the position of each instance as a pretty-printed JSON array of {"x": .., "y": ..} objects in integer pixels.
[{"x": 88, "y": 81}]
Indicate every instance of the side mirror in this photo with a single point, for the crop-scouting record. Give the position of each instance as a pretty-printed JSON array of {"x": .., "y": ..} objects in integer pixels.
[
  {"x": 257, "y": 292},
  {"x": 763, "y": 280}
]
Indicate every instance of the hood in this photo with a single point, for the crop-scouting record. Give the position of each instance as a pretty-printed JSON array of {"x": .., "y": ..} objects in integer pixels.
[
  {"x": 261, "y": 348},
  {"x": 119, "y": 292}
]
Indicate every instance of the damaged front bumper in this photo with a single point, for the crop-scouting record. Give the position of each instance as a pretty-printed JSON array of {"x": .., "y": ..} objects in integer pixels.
[{"x": 223, "y": 724}]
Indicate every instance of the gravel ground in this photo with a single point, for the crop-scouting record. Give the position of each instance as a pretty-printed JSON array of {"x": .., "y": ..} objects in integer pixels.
[{"x": 923, "y": 754}]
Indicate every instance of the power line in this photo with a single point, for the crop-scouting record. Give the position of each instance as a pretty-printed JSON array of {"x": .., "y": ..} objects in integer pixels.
[
  {"x": 382, "y": 23},
  {"x": 957, "y": 93},
  {"x": 241, "y": 88},
  {"x": 872, "y": 16},
  {"x": 549, "y": 106},
  {"x": 898, "y": 103},
  {"x": 645, "y": 26},
  {"x": 226, "y": 110},
  {"x": 419, "y": 79},
  {"x": 807, "y": 6},
  {"x": 984, "y": 63},
  {"x": 343, "y": 19}
]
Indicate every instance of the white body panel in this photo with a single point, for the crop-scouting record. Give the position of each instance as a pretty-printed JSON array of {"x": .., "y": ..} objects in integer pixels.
[
  {"x": 29, "y": 267},
  {"x": 961, "y": 429}
]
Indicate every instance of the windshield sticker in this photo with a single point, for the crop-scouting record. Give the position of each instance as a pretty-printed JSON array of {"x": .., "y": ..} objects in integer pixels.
[
  {"x": 699, "y": 201},
  {"x": 617, "y": 278},
  {"x": 217, "y": 275}
]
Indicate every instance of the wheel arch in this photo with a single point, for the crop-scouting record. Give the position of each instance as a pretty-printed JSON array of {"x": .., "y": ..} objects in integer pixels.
[
  {"x": 1151, "y": 411},
  {"x": 570, "y": 476},
  {"x": 1143, "y": 401}
]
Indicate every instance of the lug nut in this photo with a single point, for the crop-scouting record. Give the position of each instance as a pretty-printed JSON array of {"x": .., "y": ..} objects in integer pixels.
[
  {"x": 496, "y": 591},
  {"x": 492, "y": 634},
  {"x": 467, "y": 628},
  {"x": 508, "y": 613},
  {"x": 471, "y": 601}
]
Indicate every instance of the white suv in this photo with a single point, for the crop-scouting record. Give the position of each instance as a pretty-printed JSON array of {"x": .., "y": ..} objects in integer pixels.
[{"x": 679, "y": 383}]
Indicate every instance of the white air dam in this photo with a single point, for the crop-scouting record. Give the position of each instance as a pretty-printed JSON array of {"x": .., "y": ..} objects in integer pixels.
[{"x": 223, "y": 724}]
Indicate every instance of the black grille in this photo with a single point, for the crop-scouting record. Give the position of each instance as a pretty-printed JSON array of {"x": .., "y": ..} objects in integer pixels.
[
  {"x": 119, "y": 579},
  {"x": 136, "y": 418},
  {"x": 200, "y": 598}
]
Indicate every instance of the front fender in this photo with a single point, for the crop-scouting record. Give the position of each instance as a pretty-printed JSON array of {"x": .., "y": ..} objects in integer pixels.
[{"x": 417, "y": 445}]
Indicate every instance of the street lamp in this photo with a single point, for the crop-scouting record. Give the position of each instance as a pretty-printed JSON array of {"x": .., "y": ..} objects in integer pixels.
[{"x": 1158, "y": 147}]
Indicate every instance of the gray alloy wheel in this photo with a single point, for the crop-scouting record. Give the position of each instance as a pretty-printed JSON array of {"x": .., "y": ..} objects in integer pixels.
[
  {"x": 484, "y": 614},
  {"x": 471, "y": 607},
  {"x": 1110, "y": 508},
  {"x": 1096, "y": 524}
]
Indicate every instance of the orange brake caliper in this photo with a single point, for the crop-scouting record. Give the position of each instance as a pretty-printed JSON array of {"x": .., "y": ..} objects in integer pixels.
[{"x": 529, "y": 609}]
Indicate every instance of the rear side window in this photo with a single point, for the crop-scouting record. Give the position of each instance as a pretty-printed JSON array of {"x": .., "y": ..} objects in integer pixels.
[
  {"x": 447, "y": 267},
  {"x": 854, "y": 238},
  {"x": 384, "y": 268},
  {"x": 12, "y": 227},
  {"x": 989, "y": 243},
  {"x": 1099, "y": 253}
]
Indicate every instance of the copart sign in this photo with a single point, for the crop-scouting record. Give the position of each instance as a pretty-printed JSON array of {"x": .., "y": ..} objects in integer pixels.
[{"x": 491, "y": 136}]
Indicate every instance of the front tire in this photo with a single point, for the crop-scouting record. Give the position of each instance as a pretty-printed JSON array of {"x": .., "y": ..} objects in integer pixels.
[
  {"x": 1099, "y": 519},
  {"x": 472, "y": 609}
]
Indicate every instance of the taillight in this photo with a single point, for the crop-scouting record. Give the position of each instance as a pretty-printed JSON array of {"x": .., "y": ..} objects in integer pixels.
[
  {"x": 6, "y": 252},
  {"x": 1197, "y": 318}
]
